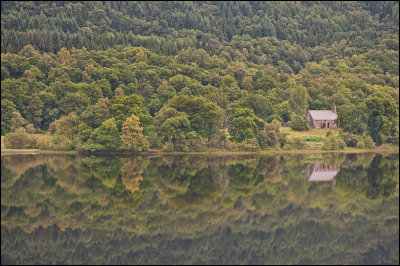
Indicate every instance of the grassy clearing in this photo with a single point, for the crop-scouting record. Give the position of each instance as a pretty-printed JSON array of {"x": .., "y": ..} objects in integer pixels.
[
  {"x": 309, "y": 133},
  {"x": 313, "y": 137}
]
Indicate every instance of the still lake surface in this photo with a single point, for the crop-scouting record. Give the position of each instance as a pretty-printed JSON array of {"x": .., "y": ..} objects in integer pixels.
[{"x": 200, "y": 209}]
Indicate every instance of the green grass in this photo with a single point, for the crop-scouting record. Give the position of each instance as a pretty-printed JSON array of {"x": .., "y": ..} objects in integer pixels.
[
  {"x": 309, "y": 133},
  {"x": 313, "y": 137}
]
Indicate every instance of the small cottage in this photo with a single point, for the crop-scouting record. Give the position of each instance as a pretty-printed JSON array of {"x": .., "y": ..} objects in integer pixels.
[{"x": 326, "y": 119}]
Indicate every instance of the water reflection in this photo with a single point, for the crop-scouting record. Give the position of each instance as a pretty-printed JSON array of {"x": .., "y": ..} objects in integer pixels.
[
  {"x": 200, "y": 209},
  {"x": 322, "y": 172}
]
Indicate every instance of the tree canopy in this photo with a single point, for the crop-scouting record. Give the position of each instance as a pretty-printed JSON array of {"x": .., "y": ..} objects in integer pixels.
[{"x": 197, "y": 64}]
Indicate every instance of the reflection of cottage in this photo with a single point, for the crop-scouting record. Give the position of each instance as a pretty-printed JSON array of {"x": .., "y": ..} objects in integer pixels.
[
  {"x": 322, "y": 172},
  {"x": 323, "y": 118}
]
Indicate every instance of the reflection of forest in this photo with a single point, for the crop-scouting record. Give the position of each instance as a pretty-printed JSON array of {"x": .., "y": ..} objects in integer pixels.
[{"x": 199, "y": 209}]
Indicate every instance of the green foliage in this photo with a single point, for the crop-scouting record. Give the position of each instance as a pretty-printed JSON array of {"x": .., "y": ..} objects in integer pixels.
[
  {"x": 66, "y": 126},
  {"x": 19, "y": 139},
  {"x": 61, "y": 142},
  {"x": 244, "y": 124},
  {"x": 299, "y": 122},
  {"x": 204, "y": 60},
  {"x": 283, "y": 110},
  {"x": 7, "y": 110},
  {"x": 249, "y": 144},
  {"x": 298, "y": 100},
  {"x": 312, "y": 138},
  {"x": 360, "y": 144},
  {"x": 34, "y": 110},
  {"x": 350, "y": 139},
  {"x": 258, "y": 103},
  {"x": 353, "y": 118},
  {"x": 295, "y": 143},
  {"x": 365, "y": 142},
  {"x": 94, "y": 115},
  {"x": 204, "y": 116},
  {"x": 175, "y": 129},
  {"x": 333, "y": 143},
  {"x": 270, "y": 135},
  {"x": 74, "y": 102},
  {"x": 17, "y": 121},
  {"x": 268, "y": 139},
  {"x": 264, "y": 83},
  {"x": 382, "y": 112},
  {"x": 104, "y": 138},
  {"x": 124, "y": 106}
]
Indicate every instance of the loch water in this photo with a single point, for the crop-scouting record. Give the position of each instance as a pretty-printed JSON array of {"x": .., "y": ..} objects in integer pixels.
[{"x": 200, "y": 209}]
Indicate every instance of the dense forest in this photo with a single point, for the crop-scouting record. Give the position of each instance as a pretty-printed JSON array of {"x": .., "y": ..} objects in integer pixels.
[{"x": 192, "y": 76}]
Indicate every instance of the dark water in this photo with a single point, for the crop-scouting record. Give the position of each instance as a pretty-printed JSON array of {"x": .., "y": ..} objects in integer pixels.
[{"x": 320, "y": 209}]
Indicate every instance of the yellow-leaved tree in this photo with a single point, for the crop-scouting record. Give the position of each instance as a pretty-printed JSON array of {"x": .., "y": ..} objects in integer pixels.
[{"x": 132, "y": 136}]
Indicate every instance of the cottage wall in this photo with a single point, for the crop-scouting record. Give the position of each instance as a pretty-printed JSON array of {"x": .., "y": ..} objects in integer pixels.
[{"x": 321, "y": 123}]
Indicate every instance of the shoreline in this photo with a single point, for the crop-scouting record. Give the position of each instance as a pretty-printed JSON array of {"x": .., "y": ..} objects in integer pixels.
[{"x": 390, "y": 149}]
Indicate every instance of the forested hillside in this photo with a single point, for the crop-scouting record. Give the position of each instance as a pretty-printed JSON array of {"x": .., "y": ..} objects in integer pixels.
[{"x": 195, "y": 75}]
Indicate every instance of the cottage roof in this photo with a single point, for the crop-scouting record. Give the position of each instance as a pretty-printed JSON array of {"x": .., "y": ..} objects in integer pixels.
[{"x": 323, "y": 114}]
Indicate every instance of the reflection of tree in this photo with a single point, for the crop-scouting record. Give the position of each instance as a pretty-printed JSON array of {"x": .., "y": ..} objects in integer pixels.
[
  {"x": 244, "y": 179},
  {"x": 187, "y": 183},
  {"x": 378, "y": 180},
  {"x": 269, "y": 168},
  {"x": 6, "y": 173},
  {"x": 381, "y": 178},
  {"x": 106, "y": 169},
  {"x": 174, "y": 177},
  {"x": 132, "y": 172},
  {"x": 129, "y": 190},
  {"x": 41, "y": 213},
  {"x": 203, "y": 188},
  {"x": 333, "y": 159}
]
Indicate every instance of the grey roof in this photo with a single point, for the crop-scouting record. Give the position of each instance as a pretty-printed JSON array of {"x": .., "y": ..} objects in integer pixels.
[{"x": 323, "y": 114}]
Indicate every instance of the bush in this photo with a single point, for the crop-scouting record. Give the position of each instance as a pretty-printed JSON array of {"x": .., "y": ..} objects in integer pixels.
[
  {"x": 78, "y": 144},
  {"x": 61, "y": 142},
  {"x": 312, "y": 138},
  {"x": 44, "y": 142},
  {"x": 268, "y": 139},
  {"x": 30, "y": 129},
  {"x": 298, "y": 122},
  {"x": 19, "y": 139},
  {"x": 342, "y": 144},
  {"x": 282, "y": 138},
  {"x": 105, "y": 137},
  {"x": 195, "y": 142},
  {"x": 350, "y": 139},
  {"x": 333, "y": 143},
  {"x": 168, "y": 146},
  {"x": 295, "y": 143},
  {"x": 368, "y": 142},
  {"x": 248, "y": 145},
  {"x": 360, "y": 144},
  {"x": 365, "y": 143}
]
